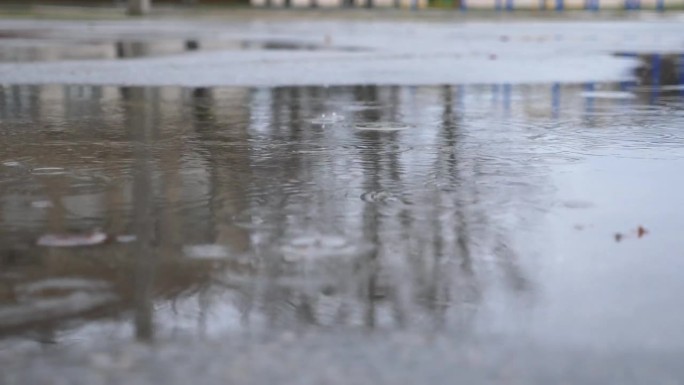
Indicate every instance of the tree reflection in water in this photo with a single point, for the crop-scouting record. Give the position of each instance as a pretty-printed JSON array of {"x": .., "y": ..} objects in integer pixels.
[{"x": 407, "y": 228}]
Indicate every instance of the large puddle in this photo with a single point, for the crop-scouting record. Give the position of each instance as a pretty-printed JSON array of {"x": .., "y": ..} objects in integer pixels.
[{"x": 549, "y": 211}]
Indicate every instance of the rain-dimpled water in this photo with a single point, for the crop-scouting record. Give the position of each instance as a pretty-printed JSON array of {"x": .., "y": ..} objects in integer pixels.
[{"x": 151, "y": 212}]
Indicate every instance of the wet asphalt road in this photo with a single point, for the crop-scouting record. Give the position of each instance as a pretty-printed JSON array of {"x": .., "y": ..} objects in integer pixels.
[
  {"x": 590, "y": 319},
  {"x": 350, "y": 357}
]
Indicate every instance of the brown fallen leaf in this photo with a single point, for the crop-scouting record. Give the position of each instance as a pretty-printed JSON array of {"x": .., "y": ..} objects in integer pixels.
[{"x": 641, "y": 231}]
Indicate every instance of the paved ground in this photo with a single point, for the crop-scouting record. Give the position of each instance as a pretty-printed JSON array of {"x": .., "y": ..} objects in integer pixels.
[
  {"x": 350, "y": 358},
  {"x": 426, "y": 51},
  {"x": 301, "y": 51}
]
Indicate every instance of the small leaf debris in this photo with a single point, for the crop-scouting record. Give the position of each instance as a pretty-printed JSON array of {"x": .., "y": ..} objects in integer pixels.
[{"x": 640, "y": 232}]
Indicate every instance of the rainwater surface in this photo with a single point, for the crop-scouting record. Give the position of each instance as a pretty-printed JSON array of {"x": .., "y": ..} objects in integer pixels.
[{"x": 549, "y": 212}]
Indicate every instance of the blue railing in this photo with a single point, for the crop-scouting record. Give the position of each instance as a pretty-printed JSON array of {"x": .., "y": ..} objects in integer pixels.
[
  {"x": 652, "y": 85},
  {"x": 498, "y": 5}
]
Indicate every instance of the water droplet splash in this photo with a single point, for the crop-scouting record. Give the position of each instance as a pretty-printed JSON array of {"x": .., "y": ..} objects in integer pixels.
[
  {"x": 251, "y": 220},
  {"x": 48, "y": 171},
  {"x": 382, "y": 126},
  {"x": 608, "y": 95},
  {"x": 126, "y": 238},
  {"x": 330, "y": 118},
  {"x": 41, "y": 204},
  {"x": 320, "y": 246},
  {"x": 378, "y": 196},
  {"x": 206, "y": 251},
  {"x": 95, "y": 237}
]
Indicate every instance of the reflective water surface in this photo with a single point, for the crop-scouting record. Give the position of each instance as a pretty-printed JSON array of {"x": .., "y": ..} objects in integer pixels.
[{"x": 549, "y": 211}]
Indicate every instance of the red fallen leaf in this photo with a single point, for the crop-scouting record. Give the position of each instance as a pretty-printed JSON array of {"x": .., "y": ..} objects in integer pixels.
[
  {"x": 641, "y": 231},
  {"x": 618, "y": 237},
  {"x": 72, "y": 240}
]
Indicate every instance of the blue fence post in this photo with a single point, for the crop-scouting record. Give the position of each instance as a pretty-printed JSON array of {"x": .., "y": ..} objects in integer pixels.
[
  {"x": 497, "y": 5},
  {"x": 656, "y": 68},
  {"x": 559, "y": 5},
  {"x": 509, "y": 5},
  {"x": 589, "y": 102},
  {"x": 592, "y": 5},
  {"x": 660, "y": 5},
  {"x": 507, "y": 97},
  {"x": 555, "y": 100},
  {"x": 463, "y": 6},
  {"x": 495, "y": 94},
  {"x": 626, "y": 86},
  {"x": 681, "y": 75},
  {"x": 632, "y": 4}
]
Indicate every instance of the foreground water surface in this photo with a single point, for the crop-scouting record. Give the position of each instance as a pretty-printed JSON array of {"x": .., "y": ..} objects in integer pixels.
[{"x": 544, "y": 211}]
